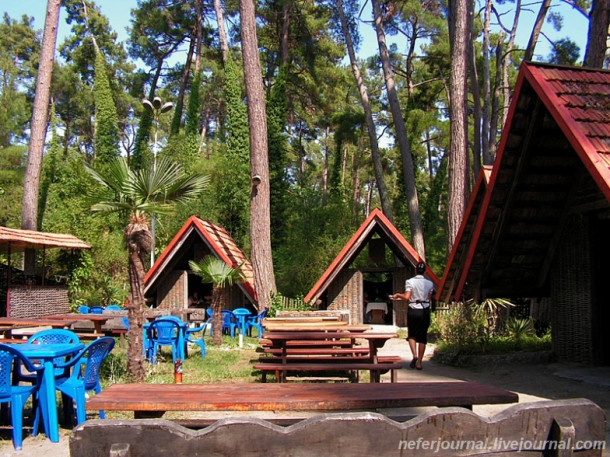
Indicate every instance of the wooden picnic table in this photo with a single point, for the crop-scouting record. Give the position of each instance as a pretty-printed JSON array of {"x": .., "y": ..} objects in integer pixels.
[
  {"x": 98, "y": 320},
  {"x": 335, "y": 359},
  {"x": 144, "y": 399},
  {"x": 375, "y": 340}
]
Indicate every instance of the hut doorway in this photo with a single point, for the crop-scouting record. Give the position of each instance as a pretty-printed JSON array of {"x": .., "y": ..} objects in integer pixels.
[
  {"x": 199, "y": 294},
  {"x": 377, "y": 286},
  {"x": 600, "y": 311}
]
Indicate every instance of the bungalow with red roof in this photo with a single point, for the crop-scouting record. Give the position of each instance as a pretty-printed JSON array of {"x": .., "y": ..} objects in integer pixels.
[
  {"x": 169, "y": 283},
  {"x": 353, "y": 279},
  {"x": 541, "y": 230}
]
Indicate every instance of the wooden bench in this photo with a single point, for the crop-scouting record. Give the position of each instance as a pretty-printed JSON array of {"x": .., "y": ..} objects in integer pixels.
[
  {"x": 117, "y": 332},
  {"x": 13, "y": 340},
  {"x": 280, "y": 370},
  {"x": 308, "y": 343},
  {"x": 549, "y": 428}
]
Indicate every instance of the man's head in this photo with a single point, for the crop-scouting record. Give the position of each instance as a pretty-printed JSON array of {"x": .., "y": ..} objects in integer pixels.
[{"x": 420, "y": 268}]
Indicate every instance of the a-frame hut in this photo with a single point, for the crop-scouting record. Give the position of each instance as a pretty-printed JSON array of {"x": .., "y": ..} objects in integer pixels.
[
  {"x": 169, "y": 283},
  {"x": 353, "y": 278},
  {"x": 542, "y": 229}
]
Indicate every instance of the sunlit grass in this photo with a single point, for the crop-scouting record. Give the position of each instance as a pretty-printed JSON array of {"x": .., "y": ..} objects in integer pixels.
[{"x": 225, "y": 363}]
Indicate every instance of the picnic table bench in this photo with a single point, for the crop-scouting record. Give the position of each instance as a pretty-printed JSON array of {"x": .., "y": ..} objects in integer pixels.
[
  {"x": 548, "y": 428},
  {"x": 282, "y": 359}
]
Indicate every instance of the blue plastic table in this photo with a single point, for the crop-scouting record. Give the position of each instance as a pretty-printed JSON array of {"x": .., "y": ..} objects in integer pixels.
[
  {"x": 242, "y": 315},
  {"x": 47, "y": 353}
]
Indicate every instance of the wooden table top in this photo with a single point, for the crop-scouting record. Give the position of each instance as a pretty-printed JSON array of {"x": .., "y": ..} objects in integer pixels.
[
  {"x": 314, "y": 327},
  {"x": 314, "y": 335},
  {"x": 44, "y": 321},
  {"x": 294, "y": 397},
  {"x": 80, "y": 317},
  {"x": 304, "y": 319}
]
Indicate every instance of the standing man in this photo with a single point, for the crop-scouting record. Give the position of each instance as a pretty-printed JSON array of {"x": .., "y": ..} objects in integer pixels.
[{"x": 418, "y": 292}]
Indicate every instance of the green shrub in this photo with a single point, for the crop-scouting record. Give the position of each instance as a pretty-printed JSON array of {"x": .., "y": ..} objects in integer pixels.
[
  {"x": 474, "y": 329},
  {"x": 460, "y": 326},
  {"x": 280, "y": 303},
  {"x": 518, "y": 329}
]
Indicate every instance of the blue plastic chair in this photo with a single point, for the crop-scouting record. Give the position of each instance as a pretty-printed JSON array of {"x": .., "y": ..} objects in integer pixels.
[
  {"x": 112, "y": 308},
  {"x": 83, "y": 309},
  {"x": 125, "y": 322},
  {"x": 163, "y": 332},
  {"x": 50, "y": 336},
  {"x": 96, "y": 310},
  {"x": 229, "y": 323},
  {"x": 257, "y": 323},
  {"x": 85, "y": 376},
  {"x": 17, "y": 395},
  {"x": 190, "y": 337}
]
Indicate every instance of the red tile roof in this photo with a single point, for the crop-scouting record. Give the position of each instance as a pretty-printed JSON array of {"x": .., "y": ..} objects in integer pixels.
[
  {"x": 579, "y": 101},
  {"x": 18, "y": 240},
  {"x": 376, "y": 221},
  {"x": 218, "y": 241}
]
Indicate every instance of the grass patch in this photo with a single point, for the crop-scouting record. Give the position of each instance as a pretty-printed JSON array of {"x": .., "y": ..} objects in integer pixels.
[{"x": 225, "y": 363}]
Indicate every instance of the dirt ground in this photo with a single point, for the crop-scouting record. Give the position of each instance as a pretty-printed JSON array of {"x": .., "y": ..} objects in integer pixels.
[{"x": 531, "y": 382}]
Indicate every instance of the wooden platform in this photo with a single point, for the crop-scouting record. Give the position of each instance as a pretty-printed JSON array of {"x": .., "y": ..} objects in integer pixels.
[{"x": 293, "y": 397}]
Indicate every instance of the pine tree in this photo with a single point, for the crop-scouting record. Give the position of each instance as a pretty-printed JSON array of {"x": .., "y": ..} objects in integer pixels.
[
  {"x": 107, "y": 130},
  {"x": 276, "y": 120}
]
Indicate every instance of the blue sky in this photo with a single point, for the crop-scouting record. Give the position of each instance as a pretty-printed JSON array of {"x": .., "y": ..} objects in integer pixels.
[{"x": 118, "y": 12}]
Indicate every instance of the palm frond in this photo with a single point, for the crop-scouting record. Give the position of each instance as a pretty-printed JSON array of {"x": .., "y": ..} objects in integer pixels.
[
  {"x": 114, "y": 176},
  {"x": 217, "y": 272},
  {"x": 186, "y": 188}
]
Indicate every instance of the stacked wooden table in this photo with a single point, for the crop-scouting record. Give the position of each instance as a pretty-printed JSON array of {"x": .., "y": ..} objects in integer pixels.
[{"x": 324, "y": 346}]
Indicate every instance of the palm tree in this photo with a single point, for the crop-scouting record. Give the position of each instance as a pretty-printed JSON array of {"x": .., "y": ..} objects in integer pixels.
[
  {"x": 139, "y": 194},
  {"x": 215, "y": 271}
]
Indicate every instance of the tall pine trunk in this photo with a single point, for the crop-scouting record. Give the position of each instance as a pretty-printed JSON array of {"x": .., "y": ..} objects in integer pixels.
[
  {"x": 531, "y": 45},
  {"x": 260, "y": 217},
  {"x": 599, "y": 19},
  {"x": 408, "y": 168},
  {"x": 40, "y": 114},
  {"x": 386, "y": 204},
  {"x": 458, "y": 158}
]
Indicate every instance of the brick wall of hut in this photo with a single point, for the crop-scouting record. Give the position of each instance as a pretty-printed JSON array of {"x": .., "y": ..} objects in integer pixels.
[
  {"x": 571, "y": 287},
  {"x": 400, "y": 308},
  {"x": 172, "y": 292},
  {"x": 35, "y": 301},
  {"x": 345, "y": 293}
]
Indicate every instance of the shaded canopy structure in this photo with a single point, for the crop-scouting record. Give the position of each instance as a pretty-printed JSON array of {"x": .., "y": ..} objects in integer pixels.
[
  {"x": 542, "y": 224},
  {"x": 28, "y": 302},
  {"x": 17, "y": 240}
]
